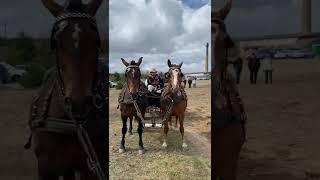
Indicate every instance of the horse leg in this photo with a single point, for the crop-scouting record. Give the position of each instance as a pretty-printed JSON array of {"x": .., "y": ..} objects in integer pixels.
[
  {"x": 181, "y": 119},
  {"x": 255, "y": 76},
  {"x": 170, "y": 121},
  {"x": 130, "y": 128},
  {"x": 176, "y": 122},
  {"x": 166, "y": 129},
  {"x": 140, "y": 130},
  {"x": 124, "y": 131}
]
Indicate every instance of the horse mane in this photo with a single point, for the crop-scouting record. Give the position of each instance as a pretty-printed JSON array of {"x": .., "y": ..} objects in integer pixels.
[{"x": 175, "y": 66}]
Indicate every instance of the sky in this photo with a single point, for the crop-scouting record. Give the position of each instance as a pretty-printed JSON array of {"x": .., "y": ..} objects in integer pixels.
[
  {"x": 158, "y": 30},
  {"x": 162, "y": 29},
  {"x": 263, "y": 17}
]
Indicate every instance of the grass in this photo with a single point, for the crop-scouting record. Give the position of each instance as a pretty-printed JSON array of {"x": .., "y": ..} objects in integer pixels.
[{"x": 155, "y": 163}]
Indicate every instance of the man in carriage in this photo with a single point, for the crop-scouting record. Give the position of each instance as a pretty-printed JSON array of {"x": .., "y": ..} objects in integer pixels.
[{"x": 154, "y": 81}]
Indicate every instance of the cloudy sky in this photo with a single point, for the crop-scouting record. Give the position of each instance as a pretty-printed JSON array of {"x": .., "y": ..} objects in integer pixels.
[
  {"x": 262, "y": 17},
  {"x": 157, "y": 30}
]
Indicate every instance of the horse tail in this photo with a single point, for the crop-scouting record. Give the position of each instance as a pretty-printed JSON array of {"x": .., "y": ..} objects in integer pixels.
[{"x": 28, "y": 144}]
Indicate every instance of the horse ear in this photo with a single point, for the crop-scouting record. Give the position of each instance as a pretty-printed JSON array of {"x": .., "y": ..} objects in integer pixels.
[
  {"x": 93, "y": 7},
  {"x": 169, "y": 63},
  {"x": 124, "y": 62},
  {"x": 53, "y": 7},
  {"x": 224, "y": 11},
  {"x": 140, "y": 60},
  {"x": 180, "y": 64}
]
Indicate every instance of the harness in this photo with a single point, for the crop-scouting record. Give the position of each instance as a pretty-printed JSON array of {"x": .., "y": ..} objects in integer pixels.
[
  {"x": 170, "y": 101},
  {"x": 132, "y": 100},
  {"x": 74, "y": 123}
]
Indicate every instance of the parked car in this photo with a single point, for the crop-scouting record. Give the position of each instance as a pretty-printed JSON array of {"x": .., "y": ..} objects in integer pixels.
[
  {"x": 261, "y": 54},
  {"x": 13, "y": 73},
  {"x": 305, "y": 53},
  {"x": 112, "y": 84},
  {"x": 281, "y": 54}
]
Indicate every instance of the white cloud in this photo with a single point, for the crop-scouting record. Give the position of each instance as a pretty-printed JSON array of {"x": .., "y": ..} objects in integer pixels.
[{"x": 158, "y": 30}]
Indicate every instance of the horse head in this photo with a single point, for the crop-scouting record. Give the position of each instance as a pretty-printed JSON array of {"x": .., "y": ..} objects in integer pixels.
[
  {"x": 174, "y": 76},
  {"x": 133, "y": 75},
  {"x": 75, "y": 40}
]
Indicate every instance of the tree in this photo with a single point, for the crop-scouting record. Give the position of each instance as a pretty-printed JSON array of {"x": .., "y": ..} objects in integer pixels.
[
  {"x": 23, "y": 51},
  {"x": 116, "y": 77}
]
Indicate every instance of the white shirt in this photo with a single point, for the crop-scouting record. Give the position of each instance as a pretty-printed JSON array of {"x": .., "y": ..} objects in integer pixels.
[{"x": 267, "y": 64}]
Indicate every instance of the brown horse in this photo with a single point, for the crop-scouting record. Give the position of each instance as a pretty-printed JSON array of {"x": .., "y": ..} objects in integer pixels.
[
  {"x": 173, "y": 101},
  {"x": 227, "y": 109},
  {"x": 68, "y": 119},
  {"x": 133, "y": 92}
]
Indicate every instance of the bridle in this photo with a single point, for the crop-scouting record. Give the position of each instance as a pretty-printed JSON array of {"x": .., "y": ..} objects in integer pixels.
[
  {"x": 180, "y": 74},
  {"x": 60, "y": 24},
  {"x": 83, "y": 137},
  {"x": 126, "y": 75}
]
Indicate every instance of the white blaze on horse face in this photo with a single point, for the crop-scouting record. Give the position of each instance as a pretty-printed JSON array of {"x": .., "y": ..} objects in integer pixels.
[
  {"x": 75, "y": 35},
  {"x": 175, "y": 77},
  {"x": 133, "y": 71}
]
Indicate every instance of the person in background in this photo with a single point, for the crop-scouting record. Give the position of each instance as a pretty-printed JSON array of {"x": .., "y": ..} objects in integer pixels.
[
  {"x": 267, "y": 68},
  {"x": 190, "y": 81},
  {"x": 184, "y": 81}
]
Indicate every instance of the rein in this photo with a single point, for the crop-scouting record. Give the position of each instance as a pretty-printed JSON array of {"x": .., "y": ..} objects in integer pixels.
[
  {"x": 137, "y": 110},
  {"x": 134, "y": 101},
  {"x": 92, "y": 159}
]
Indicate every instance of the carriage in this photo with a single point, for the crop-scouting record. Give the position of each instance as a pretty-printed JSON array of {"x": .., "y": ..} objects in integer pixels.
[{"x": 152, "y": 115}]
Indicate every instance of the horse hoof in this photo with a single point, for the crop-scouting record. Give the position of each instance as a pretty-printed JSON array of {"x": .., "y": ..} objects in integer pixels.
[
  {"x": 164, "y": 145},
  {"x": 122, "y": 150},
  {"x": 184, "y": 145},
  {"x": 141, "y": 151}
]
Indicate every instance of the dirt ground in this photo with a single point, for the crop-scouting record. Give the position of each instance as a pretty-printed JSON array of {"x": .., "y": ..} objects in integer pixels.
[
  {"x": 283, "y": 132},
  {"x": 283, "y": 123}
]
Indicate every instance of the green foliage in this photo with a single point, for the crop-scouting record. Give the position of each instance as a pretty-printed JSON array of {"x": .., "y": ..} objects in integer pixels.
[
  {"x": 120, "y": 79},
  {"x": 33, "y": 77},
  {"x": 23, "y": 50},
  {"x": 116, "y": 77},
  {"x": 120, "y": 84}
]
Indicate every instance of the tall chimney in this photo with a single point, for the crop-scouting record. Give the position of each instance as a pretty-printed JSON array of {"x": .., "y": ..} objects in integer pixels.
[
  {"x": 306, "y": 16},
  {"x": 207, "y": 56}
]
